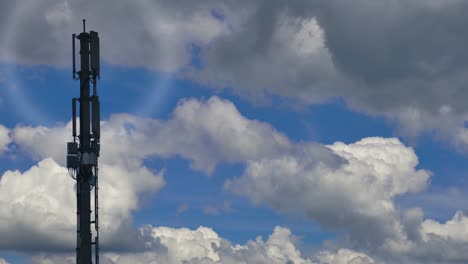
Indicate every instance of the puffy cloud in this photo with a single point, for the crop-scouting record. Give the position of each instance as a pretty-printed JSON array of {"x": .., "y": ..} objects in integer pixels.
[
  {"x": 40, "y": 142},
  {"x": 205, "y": 132},
  {"x": 213, "y": 131},
  {"x": 352, "y": 188},
  {"x": 185, "y": 244},
  {"x": 454, "y": 229},
  {"x": 3, "y": 261},
  {"x": 122, "y": 173},
  {"x": 274, "y": 52},
  {"x": 39, "y": 204},
  {"x": 34, "y": 210},
  {"x": 431, "y": 241},
  {"x": 204, "y": 246},
  {"x": 447, "y": 241}
]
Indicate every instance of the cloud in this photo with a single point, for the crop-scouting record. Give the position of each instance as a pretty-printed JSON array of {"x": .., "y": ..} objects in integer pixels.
[
  {"x": 408, "y": 65},
  {"x": 437, "y": 202},
  {"x": 3, "y": 261},
  {"x": 211, "y": 131},
  {"x": 27, "y": 197},
  {"x": 454, "y": 229},
  {"x": 405, "y": 65},
  {"x": 355, "y": 192},
  {"x": 431, "y": 241},
  {"x": 40, "y": 142},
  {"x": 158, "y": 34},
  {"x": 344, "y": 256},
  {"x": 39, "y": 204},
  {"x": 355, "y": 183},
  {"x": 349, "y": 188},
  {"x": 204, "y": 132},
  {"x": 217, "y": 209},
  {"x": 126, "y": 142},
  {"x": 274, "y": 52},
  {"x": 203, "y": 245},
  {"x": 182, "y": 209}
]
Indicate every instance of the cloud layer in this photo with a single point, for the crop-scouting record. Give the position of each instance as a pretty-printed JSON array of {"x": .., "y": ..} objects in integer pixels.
[
  {"x": 407, "y": 65},
  {"x": 349, "y": 188},
  {"x": 205, "y": 246}
]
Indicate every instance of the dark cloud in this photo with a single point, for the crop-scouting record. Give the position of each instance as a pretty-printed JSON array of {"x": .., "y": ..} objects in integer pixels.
[
  {"x": 403, "y": 53},
  {"x": 382, "y": 56},
  {"x": 404, "y": 60},
  {"x": 145, "y": 33},
  {"x": 394, "y": 53}
]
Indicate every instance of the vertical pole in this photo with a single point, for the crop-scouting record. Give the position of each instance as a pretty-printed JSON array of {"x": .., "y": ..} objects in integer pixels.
[
  {"x": 96, "y": 214},
  {"x": 82, "y": 157},
  {"x": 85, "y": 170},
  {"x": 73, "y": 56},
  {"x": 74, "y": 119}
]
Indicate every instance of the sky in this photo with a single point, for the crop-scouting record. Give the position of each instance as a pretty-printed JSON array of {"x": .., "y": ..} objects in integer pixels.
[{"x": 265, "y": 131}]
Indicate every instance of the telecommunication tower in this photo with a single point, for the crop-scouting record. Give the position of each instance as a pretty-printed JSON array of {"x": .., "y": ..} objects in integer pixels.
[{"x": 83, "y": 151}]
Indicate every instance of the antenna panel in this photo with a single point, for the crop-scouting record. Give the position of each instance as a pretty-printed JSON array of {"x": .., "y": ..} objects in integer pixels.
[
  {"x": 73, "y": 56},
  {"x": 95, "y": 65},
  {"x": 96, "y": 117}
]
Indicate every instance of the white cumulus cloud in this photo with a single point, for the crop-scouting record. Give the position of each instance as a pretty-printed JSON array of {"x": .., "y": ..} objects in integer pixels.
[
  {"x": 39, "y": 204},
  {"x": 355, "y": 190},
  {"x": 204, "y": 246}
]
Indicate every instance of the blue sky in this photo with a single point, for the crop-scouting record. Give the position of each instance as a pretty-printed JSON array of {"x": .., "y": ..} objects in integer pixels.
[{"x": 331, "y": 137}]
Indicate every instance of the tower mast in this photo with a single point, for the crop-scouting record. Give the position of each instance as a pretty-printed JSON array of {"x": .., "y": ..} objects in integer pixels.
[{"x": 83, "y": 152}]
